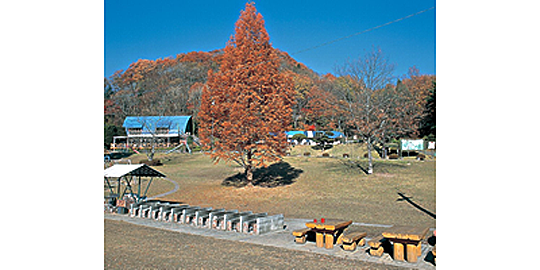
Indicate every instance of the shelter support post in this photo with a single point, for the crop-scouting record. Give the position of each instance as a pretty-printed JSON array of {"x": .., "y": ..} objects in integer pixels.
[
  {"x": 109, "y": 185},
  {"x": 148, "y": 186}
]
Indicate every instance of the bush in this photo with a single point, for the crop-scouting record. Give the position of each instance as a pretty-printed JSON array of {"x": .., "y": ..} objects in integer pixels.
[
  {"x": 299, "y": 137},
  {"x": 393, "y": 156},
  {"x": 307, "y": 154},
  {"x": 155, "y": 162}
]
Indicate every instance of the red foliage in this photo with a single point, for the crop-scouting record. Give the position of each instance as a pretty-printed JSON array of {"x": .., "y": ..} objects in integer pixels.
[{"x": 246, "y": 105}]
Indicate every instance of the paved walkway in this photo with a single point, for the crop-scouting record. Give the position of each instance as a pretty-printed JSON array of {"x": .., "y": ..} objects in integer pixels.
[
  {"x": 281, "y": 239},
  {"x": 176, "y": 188}
]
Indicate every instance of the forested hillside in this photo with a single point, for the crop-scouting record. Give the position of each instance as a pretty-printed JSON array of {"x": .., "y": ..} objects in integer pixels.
[{"x": 349, "y": 101}]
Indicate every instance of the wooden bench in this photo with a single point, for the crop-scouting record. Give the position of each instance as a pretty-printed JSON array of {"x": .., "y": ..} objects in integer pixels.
[
  {"x": 301, "y": 235},
  {"x": 352, "y": 238},
  {"x": 376, "y": 246}
]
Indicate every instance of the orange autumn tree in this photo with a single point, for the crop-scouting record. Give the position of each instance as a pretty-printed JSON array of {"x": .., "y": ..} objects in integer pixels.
[{"x": 246, "y": 105}]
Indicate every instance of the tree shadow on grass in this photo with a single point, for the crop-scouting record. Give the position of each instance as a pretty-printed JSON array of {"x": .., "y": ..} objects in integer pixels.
[
  {"x": 275, "y": 175},
  {"x": 378, "y": 166},
  {"x": 415, "y": 205}
]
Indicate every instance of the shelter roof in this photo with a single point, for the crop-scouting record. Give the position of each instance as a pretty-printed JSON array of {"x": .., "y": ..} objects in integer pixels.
[{"x": 120, "y": 170}]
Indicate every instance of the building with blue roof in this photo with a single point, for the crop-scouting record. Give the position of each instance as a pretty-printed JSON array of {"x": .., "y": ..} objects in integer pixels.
[{"x": 166, "y": 131}]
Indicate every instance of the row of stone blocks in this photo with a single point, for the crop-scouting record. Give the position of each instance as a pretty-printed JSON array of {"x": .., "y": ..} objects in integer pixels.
[{"x": 219, "y": 219}]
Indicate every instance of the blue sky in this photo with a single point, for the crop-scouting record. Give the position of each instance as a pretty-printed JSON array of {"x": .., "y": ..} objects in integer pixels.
[{"x": 155, "y": 29}]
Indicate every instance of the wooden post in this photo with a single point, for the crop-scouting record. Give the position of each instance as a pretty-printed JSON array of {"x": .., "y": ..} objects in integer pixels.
[
  {"x": 329, "y": 241},
  {"x": 412, "y": 253},
  {"x": 399, "y": 252},
  {"x": 139, "y": 190},
  {"x": 118, "y": 191},
  {"x": 319, "y": 238},
  {"x": 109, "y": 185}
]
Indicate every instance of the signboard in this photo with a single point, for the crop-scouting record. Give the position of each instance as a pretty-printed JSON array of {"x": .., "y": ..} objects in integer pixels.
[{"x": 412, "y": 144}]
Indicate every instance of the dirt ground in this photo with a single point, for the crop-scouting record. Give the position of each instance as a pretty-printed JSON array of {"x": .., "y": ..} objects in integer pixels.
[{"x": 129, "y": 246}]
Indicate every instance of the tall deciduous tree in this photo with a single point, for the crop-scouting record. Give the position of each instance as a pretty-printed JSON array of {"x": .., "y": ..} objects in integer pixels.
[
  {"x": 246, "y": 105},
  {"x": 363, "y": 96},
  {"x": 376, "y": 109}
]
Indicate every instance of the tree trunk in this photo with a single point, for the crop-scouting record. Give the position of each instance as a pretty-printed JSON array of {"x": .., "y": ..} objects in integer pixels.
[
  {"x": 152, "y": 151},
  {"x": 370, "y": 158},
  {"x": 249, "y": 170},
  {"x": 249, "y": 175}
]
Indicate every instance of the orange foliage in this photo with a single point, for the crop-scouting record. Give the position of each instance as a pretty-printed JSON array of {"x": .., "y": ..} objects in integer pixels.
[
  {"x": 201, "y": 57},
  {"x": 246, "y": 105}
]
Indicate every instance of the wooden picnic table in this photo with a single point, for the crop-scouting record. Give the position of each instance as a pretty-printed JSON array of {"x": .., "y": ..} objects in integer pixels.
[
  {"x": 327, "y": 231},
  {"x": 402, "y": 236}
]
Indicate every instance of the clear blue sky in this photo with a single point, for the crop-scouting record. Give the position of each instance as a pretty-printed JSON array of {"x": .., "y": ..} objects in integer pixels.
[{"x": 154, "y": 29}]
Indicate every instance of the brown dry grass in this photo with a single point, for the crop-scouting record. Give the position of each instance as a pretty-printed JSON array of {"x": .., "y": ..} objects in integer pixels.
[{"x": 321, "y": 187}]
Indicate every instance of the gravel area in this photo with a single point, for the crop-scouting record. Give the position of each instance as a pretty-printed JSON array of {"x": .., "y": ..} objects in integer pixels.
[{"x": 130, "y": 246}]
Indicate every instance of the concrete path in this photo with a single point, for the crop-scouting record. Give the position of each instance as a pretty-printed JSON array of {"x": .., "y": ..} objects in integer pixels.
[
  {"x": 176, "y": 188},
  {"x": 281, "y": 239}
]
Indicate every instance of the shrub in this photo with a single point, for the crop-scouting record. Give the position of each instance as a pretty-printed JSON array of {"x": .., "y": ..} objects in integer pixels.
[
  {"x": 393, "y": 156},
  {"x": 307, "y": 154},
  {"x": 299, "y": 137},
  {"x": 155, "y": 162}
]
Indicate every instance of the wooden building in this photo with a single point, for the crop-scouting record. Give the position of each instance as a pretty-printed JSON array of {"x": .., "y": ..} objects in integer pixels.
[{"x": 162, "y": 131}]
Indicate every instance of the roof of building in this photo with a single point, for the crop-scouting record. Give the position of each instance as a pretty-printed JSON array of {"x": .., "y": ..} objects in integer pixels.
[
  {"x": 175, "y": 124},
  {"x": 120, "y": 170}
]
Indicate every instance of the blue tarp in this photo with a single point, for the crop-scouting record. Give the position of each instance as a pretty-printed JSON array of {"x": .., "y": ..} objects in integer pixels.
[
  {"x": 175, "y": 124},
  {"x": 336, "y": 134},
  {"x": 294, "y": 132}
]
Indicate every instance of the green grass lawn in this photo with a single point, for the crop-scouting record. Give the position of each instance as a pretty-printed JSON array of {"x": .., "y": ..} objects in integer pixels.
[{"x": 400, "y": 192}]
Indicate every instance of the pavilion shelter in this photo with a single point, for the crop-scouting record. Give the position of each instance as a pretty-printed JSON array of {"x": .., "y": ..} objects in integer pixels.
[{"x": 125, "y": 182}]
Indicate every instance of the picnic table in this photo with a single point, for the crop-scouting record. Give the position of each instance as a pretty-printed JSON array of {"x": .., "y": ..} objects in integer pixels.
[
  {"x": 327, "y": 230},
  {"x": 409, "y": 237}
]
